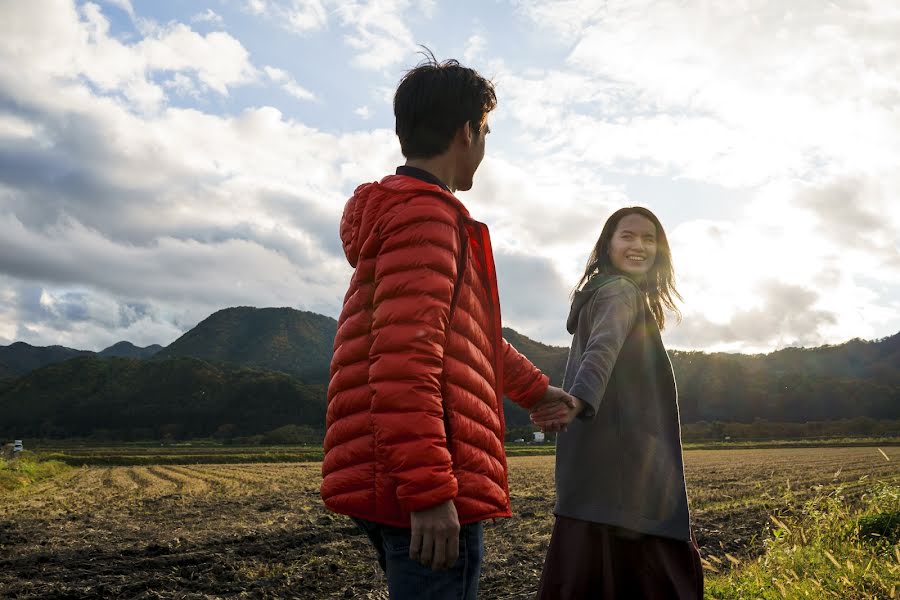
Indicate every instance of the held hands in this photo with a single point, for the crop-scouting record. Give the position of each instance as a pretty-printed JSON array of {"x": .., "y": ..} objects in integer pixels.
[
  {"x": 434, "y": 535},
  {"x": 434, "y": 539},
  {"x": 555, "y": 410}
]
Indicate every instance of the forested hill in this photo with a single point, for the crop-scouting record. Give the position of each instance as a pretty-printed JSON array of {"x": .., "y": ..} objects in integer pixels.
[
  {"x": 129, "y": 350},
  {"x": 854, "y": 379},
  {"x": 256, "y": 360},
  {"x": 282, "y": 339},
  {"x": 126, "y": 398},
  {"x": 20, "y": 358}
]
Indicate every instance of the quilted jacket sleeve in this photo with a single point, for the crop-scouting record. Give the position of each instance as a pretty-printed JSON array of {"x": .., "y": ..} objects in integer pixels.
[
  {"x": 415, "y": 273},
  {"x": 522, "y": 381}
]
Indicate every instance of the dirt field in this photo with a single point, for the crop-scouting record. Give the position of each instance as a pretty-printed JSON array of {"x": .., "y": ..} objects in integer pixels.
[{"x": 260, "y": 531}]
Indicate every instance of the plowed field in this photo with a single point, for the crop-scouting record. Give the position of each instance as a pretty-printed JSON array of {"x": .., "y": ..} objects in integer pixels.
[{"x": 260, "y": 530}]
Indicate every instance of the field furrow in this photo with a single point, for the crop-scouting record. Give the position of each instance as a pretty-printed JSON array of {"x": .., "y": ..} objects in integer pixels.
[
  {"x": 151, "y": 483},
  {"x": 123, "y": 481},
  {"x": 187, "y": 483},
  {"x": 212, "y": 475}
]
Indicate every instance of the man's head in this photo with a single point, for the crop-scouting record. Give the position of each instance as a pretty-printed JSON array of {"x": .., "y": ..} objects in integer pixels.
[{"x": 441, "y": 107}]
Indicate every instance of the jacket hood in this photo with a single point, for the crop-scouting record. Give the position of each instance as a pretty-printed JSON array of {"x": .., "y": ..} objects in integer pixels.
[
  {"x": 587, "y": 292},
  {"x": 371, "y": 200}
]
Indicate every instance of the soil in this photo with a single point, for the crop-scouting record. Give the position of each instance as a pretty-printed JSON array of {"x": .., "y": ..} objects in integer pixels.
[{"x": 260, "y": 531}]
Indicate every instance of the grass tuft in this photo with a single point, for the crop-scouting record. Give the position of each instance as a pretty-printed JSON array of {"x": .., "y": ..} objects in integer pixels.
[
  {"x": 885, "y": 525},
  {"x": 25, "y": 470},
  {"x": 832, "y": 548}
]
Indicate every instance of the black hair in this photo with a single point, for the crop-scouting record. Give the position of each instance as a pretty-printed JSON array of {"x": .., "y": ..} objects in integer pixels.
[{"x": 434, "y": 100}]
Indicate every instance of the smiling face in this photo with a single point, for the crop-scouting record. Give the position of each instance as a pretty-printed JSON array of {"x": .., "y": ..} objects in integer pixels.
[{"x": 632, "y": 249}]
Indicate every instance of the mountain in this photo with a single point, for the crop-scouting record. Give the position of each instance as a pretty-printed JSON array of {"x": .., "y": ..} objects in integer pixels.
[
  {"x": 850, "y": 380},
  {"x": 129, "y": 350},
  {"x": 549, "y": 359},
  {"x": 251, "y": 370},
  {"x": 20, "y": 358},
  {"x": 295, "y": 342},
  {"x": 127, "y": 398},
  {"x": 854, "y": 379}
]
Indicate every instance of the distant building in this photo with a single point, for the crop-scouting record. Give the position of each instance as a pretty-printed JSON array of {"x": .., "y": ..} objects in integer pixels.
[{"x": 538, "y": 436}]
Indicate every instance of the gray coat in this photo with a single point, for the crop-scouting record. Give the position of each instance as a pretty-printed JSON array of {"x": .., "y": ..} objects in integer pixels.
[{"x": 620, "y": 462}]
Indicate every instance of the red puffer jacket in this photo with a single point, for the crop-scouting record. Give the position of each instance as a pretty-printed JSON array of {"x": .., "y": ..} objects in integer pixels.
[{"x": 419, "y": 369}]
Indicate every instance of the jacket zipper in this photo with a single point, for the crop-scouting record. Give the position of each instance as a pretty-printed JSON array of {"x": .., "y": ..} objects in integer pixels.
[
  {"x": 491, "y": 284},
  {"x": 461, "y": 264}
]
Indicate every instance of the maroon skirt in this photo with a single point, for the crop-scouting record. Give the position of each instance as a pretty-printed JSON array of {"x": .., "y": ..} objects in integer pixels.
[{"x": 588, "y": 561}]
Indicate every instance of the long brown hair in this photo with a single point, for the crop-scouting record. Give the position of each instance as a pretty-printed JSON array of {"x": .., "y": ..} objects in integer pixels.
[{"x": 659, "y": 285}]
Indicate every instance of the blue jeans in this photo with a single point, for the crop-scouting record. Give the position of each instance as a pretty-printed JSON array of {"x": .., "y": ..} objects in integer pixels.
[{"x": 410, "y": 579}]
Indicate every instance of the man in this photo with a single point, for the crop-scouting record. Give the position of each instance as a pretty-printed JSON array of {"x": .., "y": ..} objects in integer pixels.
[{"x": 414, "y": 441}]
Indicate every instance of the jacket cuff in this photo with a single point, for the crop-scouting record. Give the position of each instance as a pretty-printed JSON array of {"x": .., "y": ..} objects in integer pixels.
[
  {"x": 590, "y": 399},
  {"x": 431, "y": 497}
]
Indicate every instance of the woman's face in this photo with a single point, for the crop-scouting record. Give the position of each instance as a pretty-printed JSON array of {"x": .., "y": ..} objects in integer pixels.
[{"x": 632, "y": 249}]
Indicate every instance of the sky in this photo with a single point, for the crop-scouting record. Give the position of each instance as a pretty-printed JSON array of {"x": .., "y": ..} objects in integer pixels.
[{"x": 164, "y": 159}]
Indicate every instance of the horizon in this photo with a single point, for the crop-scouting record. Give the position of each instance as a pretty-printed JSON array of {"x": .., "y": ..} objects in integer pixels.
[
  {"x": 161, "y": 161},
  {"x": 673, "y": 348}
]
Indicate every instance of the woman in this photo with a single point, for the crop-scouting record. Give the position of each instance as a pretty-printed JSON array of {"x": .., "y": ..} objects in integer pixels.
[{"x": 622, "y": 524}]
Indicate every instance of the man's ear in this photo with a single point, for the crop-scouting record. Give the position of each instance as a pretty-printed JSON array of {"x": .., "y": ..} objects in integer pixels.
[{"x": 466, "y": 134}]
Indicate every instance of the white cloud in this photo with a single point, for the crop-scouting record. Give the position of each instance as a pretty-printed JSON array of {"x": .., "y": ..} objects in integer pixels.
[
  {"x": 208, "y": 16},
  {"x": 86, "y": 319},
  {"x": 375, "y": 29},
  {"x": 276, "y": 75},
  {"x": 60, "y": 43},
  {"x": 307, "y": 15},
  {"x": 475, "y": 47},
  {"x": 541, "y": 314},
  {"x": 182, "y": 211},
  {"x": 287, "y": 83},
  {"x": 183, "y": 85},
  {"x": 299, "y": 92},
  {"x": 567, "y": 18},
  {"x": 257, "y": 7},
  {"x": 788, "y": 89},
  {"x": 298, "y": 16},
  {"x": 13, "y": 127},
  {"x": 378, "y": 31},
  {"x": 234, "y": 271},
  {"x": 114, "y": 201},
  {"x": 795, "y": 269},
  {"x": 791, "y": 104},
  {"x": 218, "y": 59}
]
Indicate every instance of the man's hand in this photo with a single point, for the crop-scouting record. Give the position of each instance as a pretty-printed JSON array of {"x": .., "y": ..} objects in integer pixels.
[
  {"x": 552, "y": 408},
  {"x": 556, "y": 410},
  {"x": 434, "y": 540}
]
